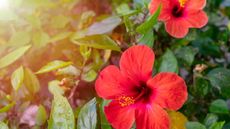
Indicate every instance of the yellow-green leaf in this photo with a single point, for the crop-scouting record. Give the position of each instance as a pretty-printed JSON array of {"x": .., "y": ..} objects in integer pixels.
[
  {"x": 41, "y": 116},
  {"x": 17, "y": 78},
  {"x": 62, "y": 116},
  {"x": 3, "y": 126},
  {"x": 19, "y": 38},
  {"x": 13, "y": 56},
  {"x": 178, "y": 120},
  {"x": 97, "y": 41},
  {"x": 59, "y": 22},
  {"x": 54, "y": 65},
  {"x": 31, "y": 81},
  {"x": 40, "y": 39}
]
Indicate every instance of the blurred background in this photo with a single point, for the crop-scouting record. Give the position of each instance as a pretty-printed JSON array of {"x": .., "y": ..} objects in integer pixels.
[{"x": 49, "y": 46}]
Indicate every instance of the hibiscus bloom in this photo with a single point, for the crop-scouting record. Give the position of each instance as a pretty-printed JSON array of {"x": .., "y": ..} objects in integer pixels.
[
  {"x": 180, "y": 15},
  {"x": 136, "y": 95}
]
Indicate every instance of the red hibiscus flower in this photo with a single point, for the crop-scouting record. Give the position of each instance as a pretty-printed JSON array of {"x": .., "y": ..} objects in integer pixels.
[
  {"x": 136, "y": 95},
  {"x": 180, "y": 15}
]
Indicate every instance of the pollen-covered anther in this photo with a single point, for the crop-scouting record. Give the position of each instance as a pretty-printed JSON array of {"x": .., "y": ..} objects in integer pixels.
[
  {"x": 126, "y": 101},
  {"x": 182, "y": 2}
]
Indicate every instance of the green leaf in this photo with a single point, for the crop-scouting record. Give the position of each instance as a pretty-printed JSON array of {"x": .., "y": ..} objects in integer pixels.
[
  {"x": 41, "y": 116},
  {"x": 147, "y": 38},
  {"x": 17, "y": 78},
  {"x": 218, "y": 125},
  {"x": 104, "y": 123},
  {"x": 62, "y": 116},
  {"x": 97, "y": 41},
  {"x": 105, "y": 26},
  {"x": 13, "y": 56},
  {"x": 186, "y": 55},
  {"x": 219, "y": 77},
  {"x": 40, "y": 39},
  {"x": 31, "y": 81},
  {"x": 124, "y": 10},
  {"x": 59, "y": 21},
  {"x": 54, "y": 65},
  {"x": 34, "y": 21},
  {"x": 19, "y": 38},
  {"x": 54, "y": 87},
  {"x": 3, "y": 126},
  {"x": 219, "y": 106},
  {"x": 150, "y": 22},
  {"x": 7, "y": 107},
  {"x": 202, "y": 86},
  {"x": 194, "y": 125},
  {"x": 89, "y": 76},
  {"x": 210, "y": 119},
  {"x": 168, "y": 62},
  {"x": 60, "y": 36},
  {"x": 87, "y": 118}
]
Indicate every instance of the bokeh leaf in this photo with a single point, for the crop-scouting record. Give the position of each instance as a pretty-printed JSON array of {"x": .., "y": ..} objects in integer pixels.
[
  {"x": 13, "y": 56},
  {"x": 31, "y": 81},
  {"x": 17, "y": 78},
  {"x": 54, "y": 65},
  {"x": 97, "y": 41},
  {"x": 3, "y": 126},
  {"x": 41, "y": 116},
  {"x": 105, "y": 26}
]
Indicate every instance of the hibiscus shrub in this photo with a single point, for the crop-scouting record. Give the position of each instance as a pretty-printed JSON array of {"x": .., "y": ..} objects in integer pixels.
[{"x": 122, "y": 64}]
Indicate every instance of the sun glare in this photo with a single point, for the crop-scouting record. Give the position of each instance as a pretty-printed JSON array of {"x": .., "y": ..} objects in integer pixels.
[{"x": 4, "y": 4}]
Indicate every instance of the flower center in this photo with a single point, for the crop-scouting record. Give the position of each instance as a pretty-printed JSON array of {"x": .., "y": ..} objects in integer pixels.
[
  {"x": 182, "y": 2},
  {"x": 125, "y": 101},
  {"x": 177, "y": 11},
  {"x": 143, "y": 94}
]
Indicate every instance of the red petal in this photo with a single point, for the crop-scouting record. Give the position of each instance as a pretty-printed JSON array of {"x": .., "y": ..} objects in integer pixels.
[
  {"x": 165, "y": 11},
  {"x": 110, "y": 83},
  {"x": 154, "y": 6},
  {"x": 170, "y": 90},
  {"x": 197, "y": 19},
  {"x": 120, "y": 117},
  {"x": 177, "y": 27},
  {"x": 136, "y": 63},
  {"x": 195, "y": 4},
  {"x": 151, "y": 117}
]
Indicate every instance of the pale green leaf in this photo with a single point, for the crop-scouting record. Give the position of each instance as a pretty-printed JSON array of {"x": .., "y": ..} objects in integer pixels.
[
  {"x": 97, "y": 41},
  {"x": 59, "y": 21},
  {"x": 31, "y": 81},
  {"x": 3, "y": 126},
  {"x": 19, "y": 38},
  {"x": 54, "y": 65},
  {"x": 54, "y": 87},
  {"x": 40, "y": 39},
  {"x": 62, "y": 116},
  {"x": 13, "y": 56},
  {"x": 17, "y": 78},
  {"x": 87, "y": 118},
  {"x": 41, "y": 116},
  {"x": 105, "y": 26}
]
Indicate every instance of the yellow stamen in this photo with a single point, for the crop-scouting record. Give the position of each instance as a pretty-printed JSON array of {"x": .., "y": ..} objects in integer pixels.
[
  {"x": 182, "y": 2},
  {"x": 125, "y": 101}
]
